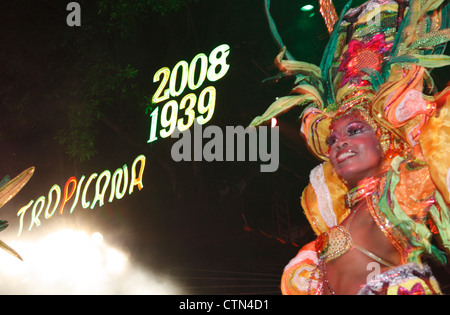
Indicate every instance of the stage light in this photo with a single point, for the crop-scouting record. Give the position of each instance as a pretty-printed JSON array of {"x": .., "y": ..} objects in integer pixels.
[
  {"x": 307, "y": 8},
  {"x": 76, "y": 262}
]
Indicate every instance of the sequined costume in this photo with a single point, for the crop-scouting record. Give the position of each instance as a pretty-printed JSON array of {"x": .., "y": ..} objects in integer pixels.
[
  {"x": 408, "y": 279},
  {"x": 377, "y": 62}
]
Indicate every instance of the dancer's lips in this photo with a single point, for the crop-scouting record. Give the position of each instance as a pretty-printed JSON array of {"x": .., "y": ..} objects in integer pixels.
[{"x": 342, "y": 156}]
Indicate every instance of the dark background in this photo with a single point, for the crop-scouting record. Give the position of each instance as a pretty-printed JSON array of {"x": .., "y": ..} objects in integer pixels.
[{"x": 74, "y": 100}]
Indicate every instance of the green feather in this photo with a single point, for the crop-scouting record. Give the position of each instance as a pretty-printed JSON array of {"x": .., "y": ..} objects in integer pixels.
[{"x": 3, "y": 225}]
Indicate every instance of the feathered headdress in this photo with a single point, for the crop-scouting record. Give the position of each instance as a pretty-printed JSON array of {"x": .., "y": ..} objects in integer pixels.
[
  {"x": 378, "y": 62},
  {"x": 381, "y": 75}
]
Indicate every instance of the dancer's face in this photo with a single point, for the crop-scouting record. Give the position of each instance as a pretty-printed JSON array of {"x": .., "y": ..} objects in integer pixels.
[{"x": 354, "y": 149}]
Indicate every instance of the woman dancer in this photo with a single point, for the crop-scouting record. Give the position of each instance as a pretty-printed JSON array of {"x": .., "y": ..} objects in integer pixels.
[{"x": 381, "y": 129}]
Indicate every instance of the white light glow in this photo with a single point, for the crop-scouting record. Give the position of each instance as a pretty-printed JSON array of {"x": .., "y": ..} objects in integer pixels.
[
  {"x": 307, "y": 7},
  {"x": 74, "y": 262},
  {"x": 273, "y": 122},
  {"x": 115, "y": 261},
  {"x": 97, "y": 238}
]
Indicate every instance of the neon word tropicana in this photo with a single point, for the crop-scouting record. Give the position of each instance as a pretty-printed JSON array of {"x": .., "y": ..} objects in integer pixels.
[{"x": 119, "y": 180}]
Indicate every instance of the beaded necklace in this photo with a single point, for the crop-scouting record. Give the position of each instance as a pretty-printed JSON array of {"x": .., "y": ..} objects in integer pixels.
[{"x": 365, "y": 188}]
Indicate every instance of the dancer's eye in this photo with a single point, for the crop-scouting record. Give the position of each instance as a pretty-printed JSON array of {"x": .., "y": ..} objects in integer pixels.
[{"x": 355, "y": 129}]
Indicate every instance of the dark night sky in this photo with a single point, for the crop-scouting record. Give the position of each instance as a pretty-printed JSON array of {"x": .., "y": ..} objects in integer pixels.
[{"x": 208, "y": 225}]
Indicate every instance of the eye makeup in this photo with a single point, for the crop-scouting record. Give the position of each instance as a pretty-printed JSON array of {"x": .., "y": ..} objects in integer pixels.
[{"x": 353, "y": 128}]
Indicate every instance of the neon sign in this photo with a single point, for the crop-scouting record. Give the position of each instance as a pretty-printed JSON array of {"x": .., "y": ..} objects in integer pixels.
[
  {"x": 119, "y": 183},
  {"x": 173, "y": 114},
  {"x": 193, "y": 76}
]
